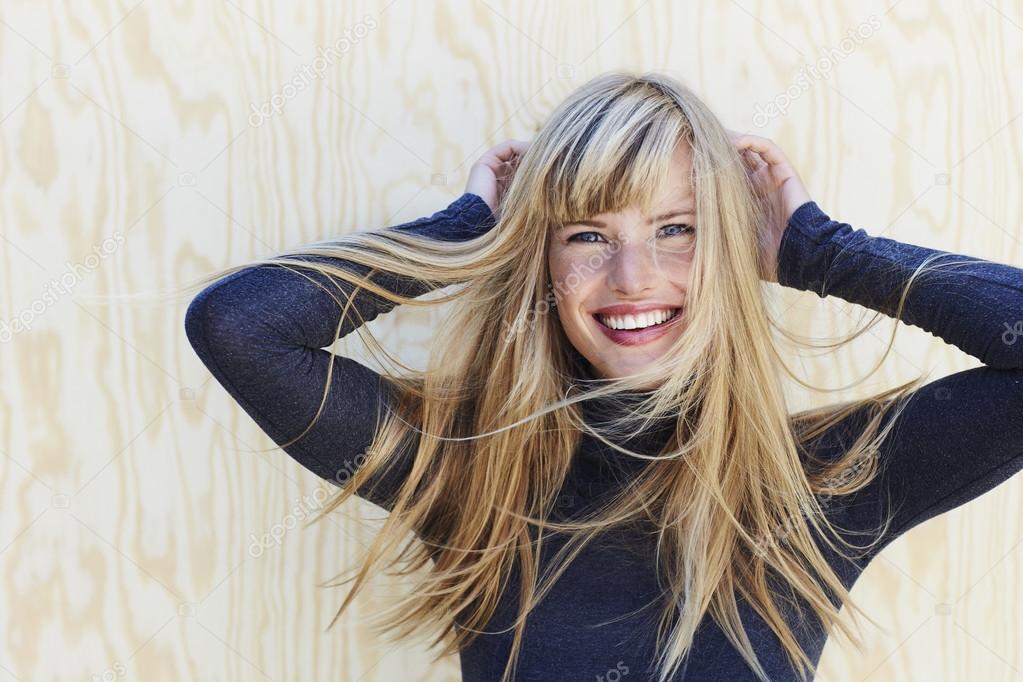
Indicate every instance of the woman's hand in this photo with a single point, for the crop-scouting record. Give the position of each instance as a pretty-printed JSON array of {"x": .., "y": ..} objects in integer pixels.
[
  {"x": 773, "y": 175},
  {"x": 490, "y": 176}
]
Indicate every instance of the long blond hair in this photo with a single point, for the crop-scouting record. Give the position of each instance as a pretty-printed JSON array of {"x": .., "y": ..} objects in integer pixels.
[{"x": 488, "y": 430}]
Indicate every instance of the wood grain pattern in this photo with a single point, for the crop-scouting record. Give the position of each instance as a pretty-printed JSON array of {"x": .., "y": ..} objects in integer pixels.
[{"x": 135, "y": 159}]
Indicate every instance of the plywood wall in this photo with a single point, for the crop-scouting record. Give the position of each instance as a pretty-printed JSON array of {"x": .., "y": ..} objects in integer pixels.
[{"x": 135, "y": 158}]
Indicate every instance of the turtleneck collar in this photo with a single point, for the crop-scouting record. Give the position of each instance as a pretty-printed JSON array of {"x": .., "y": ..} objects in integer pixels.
[{"x": 599, "y": 410}]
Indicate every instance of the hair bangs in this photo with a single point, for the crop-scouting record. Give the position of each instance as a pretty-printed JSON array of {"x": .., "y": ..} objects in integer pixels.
[{"x": 620, "y": 158}]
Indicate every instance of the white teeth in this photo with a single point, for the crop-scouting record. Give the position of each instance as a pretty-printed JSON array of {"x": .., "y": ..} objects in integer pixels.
[{"x": 638, "y": 321}]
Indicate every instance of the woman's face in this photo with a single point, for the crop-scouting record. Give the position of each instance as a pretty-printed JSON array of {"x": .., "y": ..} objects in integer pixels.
[{"x": 621, "y": 279}]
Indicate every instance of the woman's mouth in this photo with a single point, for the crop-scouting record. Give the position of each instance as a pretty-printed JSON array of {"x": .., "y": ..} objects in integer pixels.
[{"x": 632, "y": 330}]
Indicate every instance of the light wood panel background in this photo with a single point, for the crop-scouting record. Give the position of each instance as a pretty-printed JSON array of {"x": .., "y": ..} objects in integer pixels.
[{"x": 131, "y": 487}]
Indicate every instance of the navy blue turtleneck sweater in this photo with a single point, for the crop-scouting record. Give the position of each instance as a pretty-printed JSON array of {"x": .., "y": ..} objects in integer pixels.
[{"x": 262, "y": 333}]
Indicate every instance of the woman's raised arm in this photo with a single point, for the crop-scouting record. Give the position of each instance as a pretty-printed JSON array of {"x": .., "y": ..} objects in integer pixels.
[
  {"x": 975, "y": 306},
  {"x": 261, "y": 332},
  {"x": 959, "y": 436}
]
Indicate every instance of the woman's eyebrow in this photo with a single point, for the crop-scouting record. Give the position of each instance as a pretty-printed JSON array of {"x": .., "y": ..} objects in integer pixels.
[{"x": 664, "y": 216}]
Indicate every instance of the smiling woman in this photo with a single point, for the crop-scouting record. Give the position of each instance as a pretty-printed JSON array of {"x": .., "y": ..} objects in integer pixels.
[
  {"x": 621, "y": 486},
  {"x": 630, "y": 276}
]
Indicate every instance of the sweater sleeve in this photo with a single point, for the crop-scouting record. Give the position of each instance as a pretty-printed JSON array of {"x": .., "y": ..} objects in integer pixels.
[
  {"x": 262, "y": 331},
  {"x": 959, "y": 436}
]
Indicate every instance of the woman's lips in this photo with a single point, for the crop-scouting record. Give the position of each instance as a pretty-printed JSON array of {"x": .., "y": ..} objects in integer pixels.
[{"x": 635, "y": 337}]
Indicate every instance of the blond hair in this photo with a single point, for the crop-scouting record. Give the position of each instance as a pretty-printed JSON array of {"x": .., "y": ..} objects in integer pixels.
[{"x": 495, "y": 419}]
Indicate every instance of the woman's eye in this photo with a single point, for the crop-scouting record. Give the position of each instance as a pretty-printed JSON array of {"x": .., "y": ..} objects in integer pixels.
[
  {"x": 686, "y": 229},
  {"x": 577, "y": 237},
  {"x": 674, "y": 230}
]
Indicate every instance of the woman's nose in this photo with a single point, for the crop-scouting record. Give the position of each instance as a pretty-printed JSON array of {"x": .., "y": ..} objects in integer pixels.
[{"x": 634, "y": 268}]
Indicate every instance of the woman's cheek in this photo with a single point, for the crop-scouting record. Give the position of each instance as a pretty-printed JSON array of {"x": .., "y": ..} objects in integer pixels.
[{"x": 574, "y": 272}]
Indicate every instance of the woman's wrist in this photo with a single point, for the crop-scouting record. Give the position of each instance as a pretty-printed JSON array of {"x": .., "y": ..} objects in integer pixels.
[{"x": 804, "y": 255}]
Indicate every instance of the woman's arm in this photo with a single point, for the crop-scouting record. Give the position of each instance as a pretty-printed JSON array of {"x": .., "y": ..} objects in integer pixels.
[
  {"x": 977, "y": 307},
  {"x": 960, "y": 435},
  {"x": 261, "y": 333}
]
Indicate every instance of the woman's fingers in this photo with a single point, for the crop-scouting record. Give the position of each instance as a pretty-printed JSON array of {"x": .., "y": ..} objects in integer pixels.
[
  {"x": 509, "y": 150},
  {"x": 753, "y": 160},
  {"x": 771, "y": 169},
  {"x": 517, "y": 147},
  {"x": 490, "y": 176},
  {"x": 750, "y": 148},
  {"x": 767, "y": 149}
]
